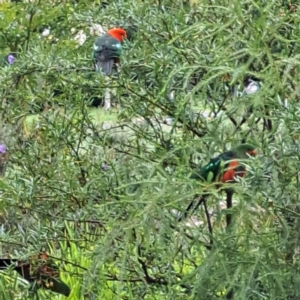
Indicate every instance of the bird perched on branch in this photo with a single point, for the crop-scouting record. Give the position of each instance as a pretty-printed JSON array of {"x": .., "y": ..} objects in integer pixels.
[
  {"x": 107, "y": 50},
  {"x": 40, "y": 272},
  {"x": 224, "y": 168}
]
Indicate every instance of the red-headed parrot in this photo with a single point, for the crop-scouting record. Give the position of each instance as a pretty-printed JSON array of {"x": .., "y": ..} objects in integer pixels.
[
  {"x": 222, "y": 169},
  {"x": 43, "y": 273},
  {"x": 108, "y": 49},
  {"x": 106, "y": 52}
]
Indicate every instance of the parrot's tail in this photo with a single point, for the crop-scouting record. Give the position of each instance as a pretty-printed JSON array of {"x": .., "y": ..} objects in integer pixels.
[
  {"x": 193, "y": 206},
  {"x": 105, "y": 66}
]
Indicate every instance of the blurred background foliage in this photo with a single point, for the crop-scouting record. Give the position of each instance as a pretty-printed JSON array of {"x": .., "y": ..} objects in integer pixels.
[{"x": 101, "y": 189}]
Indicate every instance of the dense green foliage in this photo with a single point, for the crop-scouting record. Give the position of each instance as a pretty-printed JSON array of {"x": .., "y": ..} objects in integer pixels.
[{"x": 113, "y": 231}]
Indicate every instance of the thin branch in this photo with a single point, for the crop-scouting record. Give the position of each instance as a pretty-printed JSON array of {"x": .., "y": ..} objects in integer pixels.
[{"x": 208, "y": 223}]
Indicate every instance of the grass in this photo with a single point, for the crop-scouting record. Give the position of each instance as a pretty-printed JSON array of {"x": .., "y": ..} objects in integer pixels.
[
  {"x": 97, "y": 115},
  {"x": 100, "y": 115}
]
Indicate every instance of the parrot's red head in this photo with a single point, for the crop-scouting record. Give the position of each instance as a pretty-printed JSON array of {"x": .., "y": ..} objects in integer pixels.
[
  {"x": 118, "y": 33},
  {"x": 245, "y": 150}
]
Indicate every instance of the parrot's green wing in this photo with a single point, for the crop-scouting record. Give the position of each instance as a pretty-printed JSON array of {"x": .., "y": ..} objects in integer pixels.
[
  {"x": 106, "y": 51},
  {"x": 214, "y": 169}
]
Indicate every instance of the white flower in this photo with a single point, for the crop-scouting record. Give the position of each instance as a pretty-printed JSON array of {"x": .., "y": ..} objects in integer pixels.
[
  {"x": 251, "y": 88},
  {"x": 172, "y": 95},
  {"x": 46, "y": 32},
  {"x": 80, "y": 38},
  {"x": 97, "y": 29}
]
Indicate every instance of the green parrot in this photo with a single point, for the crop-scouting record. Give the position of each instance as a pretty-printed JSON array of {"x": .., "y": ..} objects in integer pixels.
[
  {"x": 106, "y": 52},
  {"x": 221, "y": 169},
  {"x": 108, "y": 49}
]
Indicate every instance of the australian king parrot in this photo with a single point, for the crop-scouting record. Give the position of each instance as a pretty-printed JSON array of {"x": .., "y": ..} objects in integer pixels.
[
  {"x": 106, "y": 52},
  {"x": 224, "y": 168},
  {"x": 108, "y": 49}
]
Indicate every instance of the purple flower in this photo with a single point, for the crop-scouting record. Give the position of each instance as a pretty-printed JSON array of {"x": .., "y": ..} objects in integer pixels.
[
  {"x": 104, "y": 167},
  {"x": 2, "y": 148},
  {"x": 10, "y": 59}
]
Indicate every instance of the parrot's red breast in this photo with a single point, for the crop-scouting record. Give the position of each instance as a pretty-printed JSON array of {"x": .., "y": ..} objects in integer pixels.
[
  {"x": 230, "y": 173},
  {"x": 232, "y": 170}
]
